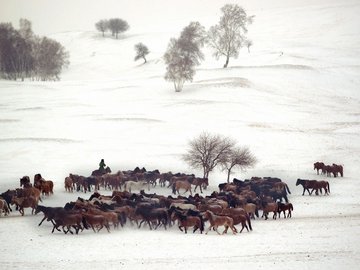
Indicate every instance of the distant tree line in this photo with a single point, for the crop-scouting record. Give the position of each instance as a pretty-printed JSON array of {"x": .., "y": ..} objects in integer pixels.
[
  {"x": 26, "y": 55},
  {"x": 115, "y": 25}
]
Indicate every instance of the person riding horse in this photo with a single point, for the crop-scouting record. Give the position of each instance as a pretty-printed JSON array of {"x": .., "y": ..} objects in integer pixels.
[{"x": 102, "y": 165}]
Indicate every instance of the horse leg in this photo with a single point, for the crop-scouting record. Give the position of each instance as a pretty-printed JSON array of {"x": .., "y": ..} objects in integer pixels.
[
  {"x": 208, "y": 229},
  {"x": 42, "y": 221}
]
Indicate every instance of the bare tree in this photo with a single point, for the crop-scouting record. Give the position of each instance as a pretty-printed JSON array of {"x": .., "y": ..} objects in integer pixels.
[
  {"x": 102, "y": 26},
  {"x": 183, "y": 54},
  {"x": 117, "y": 26},
  {"x": 237, "y": 157},
  {"x": 141, "y": 51},
  {"x": 228, "y": 36},
  {"x": 207, "y": 151}
]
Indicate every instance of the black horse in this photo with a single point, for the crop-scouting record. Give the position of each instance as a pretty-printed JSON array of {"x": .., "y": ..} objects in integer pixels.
[{"x": 101, "y": 172}]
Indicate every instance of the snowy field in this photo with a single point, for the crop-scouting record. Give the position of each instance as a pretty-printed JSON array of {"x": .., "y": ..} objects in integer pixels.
[{"x": 293, "y": 100}]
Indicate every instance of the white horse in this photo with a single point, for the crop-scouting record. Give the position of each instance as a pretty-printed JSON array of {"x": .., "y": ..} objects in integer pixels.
[{"x": 135, "y": 185}]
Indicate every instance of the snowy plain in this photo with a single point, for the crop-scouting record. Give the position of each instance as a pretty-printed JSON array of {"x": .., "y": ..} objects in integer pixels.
[{"x": 293, "y": 100}]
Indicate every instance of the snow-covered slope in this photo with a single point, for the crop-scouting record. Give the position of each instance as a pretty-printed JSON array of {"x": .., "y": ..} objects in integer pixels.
[{"x": 294, "y": 99}]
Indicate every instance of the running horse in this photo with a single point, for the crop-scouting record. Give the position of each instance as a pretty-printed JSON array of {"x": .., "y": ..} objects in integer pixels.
[
  {"x": 25, "y": 182},
  {"x": 45, "y": 186}
]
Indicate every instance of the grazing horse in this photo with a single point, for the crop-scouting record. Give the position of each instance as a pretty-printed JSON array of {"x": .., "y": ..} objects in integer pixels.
[
  {"x": 216, "y": 221},
  {"x": 4, "y": 207},
  {"x": 282, "y": 207},
  {"x": 184, "y": 184},
  {"x": 319, "y": 166},
  {"x": 200, "y": 182}
]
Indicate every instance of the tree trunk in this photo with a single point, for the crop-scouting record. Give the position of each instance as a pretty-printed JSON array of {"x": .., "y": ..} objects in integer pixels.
[
  {"x": 228, "y": 175},
  {"x": 227, "y": 62},
  {"x": 144, "y": 59}
]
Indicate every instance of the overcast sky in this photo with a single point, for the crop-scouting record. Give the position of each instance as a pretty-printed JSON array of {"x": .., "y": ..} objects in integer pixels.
[{"x": 50, "y": 16}]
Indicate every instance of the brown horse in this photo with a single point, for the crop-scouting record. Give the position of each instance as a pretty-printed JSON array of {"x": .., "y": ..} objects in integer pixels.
[
  {"x": 25, "y": 182},
  {"x": 216, "y": 221},
  {"x": 98, "y": 221},
  {"x": 200, "y": 182},
  {"x": 27, "y": 192},
  {"x": 269, "y": 207},
  {"x": 319, "y": 185},
  {"x": 111, "y": 217},
  {"x": 68, "y": 183},
  {"x": 282, "y": 207},
  {"x": 68, "y": 219},
  {"x": 45, "y": 186},
  {"x": 185, "y": 221},
  {"x": 184, "y": 184},
  {"x": 237, "y": 213},
  {"x": 25, "y": 202}
]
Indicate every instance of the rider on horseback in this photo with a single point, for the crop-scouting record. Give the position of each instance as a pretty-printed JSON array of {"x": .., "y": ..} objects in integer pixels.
[{"x": 102, "y": 165}]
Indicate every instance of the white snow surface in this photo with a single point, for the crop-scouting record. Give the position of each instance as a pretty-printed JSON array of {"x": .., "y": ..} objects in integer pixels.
[{"x": 293, "y": 100}]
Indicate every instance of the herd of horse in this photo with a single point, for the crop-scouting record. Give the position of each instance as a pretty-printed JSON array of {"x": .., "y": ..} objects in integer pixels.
[{"x": 236, "y": 203}]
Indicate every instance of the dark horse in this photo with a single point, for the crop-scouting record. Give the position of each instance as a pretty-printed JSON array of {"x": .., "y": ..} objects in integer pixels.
[
  {"x": 101, "y": 172},
  {"x": 314, "y": 185},
  {"x": 282, "y": 207},
  {"x": 319, "y": 166},
  {"x": 25, "y": 181}
]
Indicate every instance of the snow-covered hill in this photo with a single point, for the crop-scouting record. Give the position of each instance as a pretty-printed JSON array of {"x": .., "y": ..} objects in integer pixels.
[{"x": 294, "y": 99}]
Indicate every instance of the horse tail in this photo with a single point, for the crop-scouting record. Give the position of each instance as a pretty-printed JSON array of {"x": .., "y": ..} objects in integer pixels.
[
  {"x": 249, "y": 221},
  {"x": 291, "y": 207},
  {"x": 328, "y": 186},
  {"x": 287, "y": 188}
]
